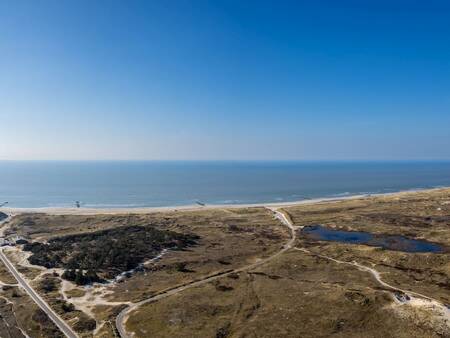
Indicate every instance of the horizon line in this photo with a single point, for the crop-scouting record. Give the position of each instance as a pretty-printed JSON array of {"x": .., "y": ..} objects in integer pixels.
[{"x": 235, "y": 160}]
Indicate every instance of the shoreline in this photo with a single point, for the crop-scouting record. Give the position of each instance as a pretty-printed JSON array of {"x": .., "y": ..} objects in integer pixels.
[{"x": 195, "y": 207}]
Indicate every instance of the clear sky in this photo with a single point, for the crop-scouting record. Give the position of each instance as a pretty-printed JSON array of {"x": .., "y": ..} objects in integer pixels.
[{"x": 224, "y": 79}]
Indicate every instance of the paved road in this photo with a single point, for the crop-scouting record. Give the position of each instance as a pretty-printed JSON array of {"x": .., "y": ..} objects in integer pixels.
[
  {"x": 121, "y": 318},
  {"x": 61, "y": 324}
]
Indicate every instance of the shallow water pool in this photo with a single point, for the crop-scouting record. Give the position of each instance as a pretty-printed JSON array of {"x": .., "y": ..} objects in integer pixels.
[{"x": 390, "y": 242}]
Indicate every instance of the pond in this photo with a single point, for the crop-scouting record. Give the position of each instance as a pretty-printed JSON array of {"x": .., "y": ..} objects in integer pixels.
[{"x": 390, "y": 242}]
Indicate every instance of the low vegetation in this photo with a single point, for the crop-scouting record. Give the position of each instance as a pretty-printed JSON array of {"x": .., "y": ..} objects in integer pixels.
[
  {"x": 303, "y": 294},
  {"x": 21, "y": 317}
]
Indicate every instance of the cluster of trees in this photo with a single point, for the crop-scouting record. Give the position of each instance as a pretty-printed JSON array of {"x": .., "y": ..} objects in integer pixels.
[
  {"x": 82, "y": 278},
  {"x": 47, "y": 255},
  {"x": 107, "y": 252}
]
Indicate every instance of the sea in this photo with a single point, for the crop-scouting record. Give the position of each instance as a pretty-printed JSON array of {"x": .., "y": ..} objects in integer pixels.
[{"x": 124, "y": 184}]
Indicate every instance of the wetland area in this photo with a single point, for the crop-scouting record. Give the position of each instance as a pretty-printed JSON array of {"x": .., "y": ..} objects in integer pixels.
[
  {"x": 389, "y": 242},
  {"x": 374, "y": 266}
]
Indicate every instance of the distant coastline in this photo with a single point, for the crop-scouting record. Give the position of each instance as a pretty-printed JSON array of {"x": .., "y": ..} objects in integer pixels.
[
  {"x": 136, "y": 185},
  {"x": 196, "y": 207}
]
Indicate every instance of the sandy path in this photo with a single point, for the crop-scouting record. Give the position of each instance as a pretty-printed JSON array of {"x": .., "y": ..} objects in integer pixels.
[
  {"x": 60, "y": 323},
  {"x": 120, "y": 320},
  {"x": 123, "y": 315},
  {"x": 414, "y": 299}
]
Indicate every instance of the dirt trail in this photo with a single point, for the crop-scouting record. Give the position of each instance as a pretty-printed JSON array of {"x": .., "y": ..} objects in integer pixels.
[
  {"x": 123, "y": 315},
  {"x": 400, "y": 296}
]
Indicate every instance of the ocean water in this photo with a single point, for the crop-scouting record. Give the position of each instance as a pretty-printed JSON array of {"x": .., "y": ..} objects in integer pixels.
[{"x": 154, "y": 183}]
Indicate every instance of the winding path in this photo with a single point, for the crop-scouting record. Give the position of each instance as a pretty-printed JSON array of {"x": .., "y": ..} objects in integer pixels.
[
  {"x": 122, "y": 317},
  {"x": 398, "y": 292}
]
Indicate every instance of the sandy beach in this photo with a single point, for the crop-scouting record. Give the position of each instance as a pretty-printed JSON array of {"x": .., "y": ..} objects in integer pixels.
[{"x": 194, "y": 207}]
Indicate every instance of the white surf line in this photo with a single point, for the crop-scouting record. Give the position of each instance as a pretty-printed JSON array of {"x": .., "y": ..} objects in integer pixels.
[
  {"x": 445, "y": 311},
  {"x": 194, "y": 207},
  {"x": 122, "y": 317}
]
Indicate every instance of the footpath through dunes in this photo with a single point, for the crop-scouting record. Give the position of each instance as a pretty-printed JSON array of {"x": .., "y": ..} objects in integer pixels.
[
  {"x": 384, "y": 307},
  {"x": 399, "y": 295},
  {"x": 227, "y": 239},
  {"x": 440, "y": 311},
  {"x": 401, "y": 240},
  {"x": 259, "y": 262},
  {"x": 284, "y": 219}
]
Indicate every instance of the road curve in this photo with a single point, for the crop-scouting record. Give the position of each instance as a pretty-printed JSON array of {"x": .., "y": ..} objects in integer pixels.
[
  {"x": 59, "y": 322},
  {"x": 120, "y": 319}
]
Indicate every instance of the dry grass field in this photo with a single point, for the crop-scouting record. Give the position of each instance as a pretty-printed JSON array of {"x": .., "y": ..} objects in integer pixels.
[
  {"x": 303, "y": 295},
  {"x": 228, "y": 239},
  {"x": 311, "y": 290},
  {"x": 19, "y": 314}
]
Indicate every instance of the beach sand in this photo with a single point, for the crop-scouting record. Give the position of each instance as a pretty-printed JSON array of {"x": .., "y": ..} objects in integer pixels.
[{"x": 195, "y": 207}]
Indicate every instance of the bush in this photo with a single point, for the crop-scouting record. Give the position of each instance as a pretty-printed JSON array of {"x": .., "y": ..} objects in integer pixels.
[
  {"x": 85, "y": 325},
  {"x": 223, "y": 288},
  {"x": 67, "y": 307},
  {"x": 224, "y": 331},
  {"x": 181, "y": 266},
  {"x": 48, "y": 285}
]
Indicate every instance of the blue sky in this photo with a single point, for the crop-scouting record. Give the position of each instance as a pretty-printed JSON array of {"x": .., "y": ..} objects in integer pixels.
[{"x": 225, "y": 79}]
